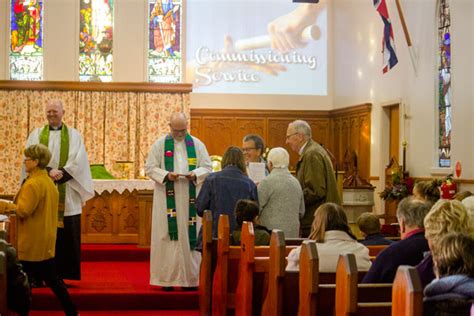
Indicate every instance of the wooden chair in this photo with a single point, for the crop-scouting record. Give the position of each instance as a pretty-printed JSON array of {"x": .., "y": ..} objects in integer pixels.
[
  {"x": 359, "y": 299},
  {"x": 205, "y": 272},
  {"x": 407, "y": 293}
]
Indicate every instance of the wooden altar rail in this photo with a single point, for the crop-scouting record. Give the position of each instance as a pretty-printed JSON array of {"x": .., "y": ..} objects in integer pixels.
[{"x": 96, "y": 86}]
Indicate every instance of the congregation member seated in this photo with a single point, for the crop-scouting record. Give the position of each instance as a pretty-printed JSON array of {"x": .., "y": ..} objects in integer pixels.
[
  {"x": 36, "y": 205},
  {"x": 452, "y": 292},
  {"x": 460, "y": 196},
  {"x": 280, "y": 196},
  {"x": 333, "y": 236},
  {"x": 369, "y": 226},
  {"x": 409, "y": 250},
  {"x": 18, "y": 288},
  {"x": 221, "y": 190},
  {"x": 469, "y": 205},
  {"x": 444, "y": 217},
  {"x": 247, "y": 211},
  {"x": 426, "y": 191}
]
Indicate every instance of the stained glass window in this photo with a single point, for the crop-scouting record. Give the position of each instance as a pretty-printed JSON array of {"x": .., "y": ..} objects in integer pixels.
[
  {"x": 164, "y": 41},
  {"x": 26, "y": 40},
  {"x": 444, "y": 84},
  {"x": 95, "y": 40}
]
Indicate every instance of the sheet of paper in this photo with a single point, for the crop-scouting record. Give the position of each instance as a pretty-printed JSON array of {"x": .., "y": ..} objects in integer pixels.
[{"x": 256, "y": 171}]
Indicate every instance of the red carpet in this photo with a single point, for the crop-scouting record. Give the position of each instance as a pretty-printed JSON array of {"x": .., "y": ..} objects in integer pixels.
[{"x": 119, "y": 284}]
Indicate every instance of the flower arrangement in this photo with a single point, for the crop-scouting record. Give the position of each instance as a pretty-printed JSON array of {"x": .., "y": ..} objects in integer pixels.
[{"x": 401, "y": 186}]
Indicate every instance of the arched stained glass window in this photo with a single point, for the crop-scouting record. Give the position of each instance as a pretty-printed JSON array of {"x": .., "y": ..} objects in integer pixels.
[
  {"x": 95, "y": 40},
  {"x": 444, "y": 84},
  {"x": 26, "y": 40},
  {"x": 164, "y": 43}
]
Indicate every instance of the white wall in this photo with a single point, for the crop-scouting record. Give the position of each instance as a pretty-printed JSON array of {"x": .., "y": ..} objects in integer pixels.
[{"x": 358, "y": 77}]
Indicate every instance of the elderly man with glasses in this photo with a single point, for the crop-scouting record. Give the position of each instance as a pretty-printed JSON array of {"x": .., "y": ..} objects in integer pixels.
[{"x": 314, "y": 171}]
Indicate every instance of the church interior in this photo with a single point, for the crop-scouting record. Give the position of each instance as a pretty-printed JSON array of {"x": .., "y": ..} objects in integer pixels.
[{"x": 385, "y": 123}]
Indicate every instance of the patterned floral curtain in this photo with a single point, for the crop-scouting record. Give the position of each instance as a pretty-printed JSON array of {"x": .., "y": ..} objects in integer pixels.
[{"x": 115, "y": 126}]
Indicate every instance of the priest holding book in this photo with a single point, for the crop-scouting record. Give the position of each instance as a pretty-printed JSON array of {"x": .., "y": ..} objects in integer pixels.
[{"x": 178, "y": 163}]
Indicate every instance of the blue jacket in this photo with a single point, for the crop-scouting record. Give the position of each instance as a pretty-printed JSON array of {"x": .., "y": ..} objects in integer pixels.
[
  {"x": 376, "y": 239},
  {"x": 220, "y": 192},
  {"x": 408, "y": 251}
]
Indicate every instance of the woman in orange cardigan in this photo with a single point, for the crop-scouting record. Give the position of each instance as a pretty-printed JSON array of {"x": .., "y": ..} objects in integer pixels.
[{"x": 36, "y": 205}]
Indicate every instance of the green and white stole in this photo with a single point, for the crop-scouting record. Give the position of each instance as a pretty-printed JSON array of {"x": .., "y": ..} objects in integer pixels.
[
  {"x": 170, "y": 193},
  {"x": 63, "y": 156}
]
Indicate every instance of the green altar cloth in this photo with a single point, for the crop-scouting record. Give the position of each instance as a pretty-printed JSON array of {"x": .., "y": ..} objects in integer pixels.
[{"x": 98, "y": 171}]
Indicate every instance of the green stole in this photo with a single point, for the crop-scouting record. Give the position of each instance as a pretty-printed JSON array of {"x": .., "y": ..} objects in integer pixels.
[
  {"x": 63, "y": 156},
  {"x": 170, "y": 196}
]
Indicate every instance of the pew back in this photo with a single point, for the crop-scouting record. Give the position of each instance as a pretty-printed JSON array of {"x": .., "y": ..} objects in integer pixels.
[
  {"x": 407, "y": 294},
  {"x": 205, "y": 272},
  {"x": 3, "y": 273},
  {"x": 359, "y": 299}
]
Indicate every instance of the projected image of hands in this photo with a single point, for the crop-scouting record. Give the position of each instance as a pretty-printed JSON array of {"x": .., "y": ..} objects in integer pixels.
[
  {"x": 234, "y": 68},
  {"x": 257, "y": 47}
]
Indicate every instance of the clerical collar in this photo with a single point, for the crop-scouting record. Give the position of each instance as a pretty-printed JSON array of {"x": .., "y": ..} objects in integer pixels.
[{"x": 52, "y": 128}]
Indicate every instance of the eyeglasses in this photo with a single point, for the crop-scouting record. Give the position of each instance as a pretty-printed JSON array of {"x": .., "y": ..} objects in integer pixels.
[
  {"x": 288, "y": 136},
  {"x": 179, "y": 131},
  {"x": 245, "y": 150}
]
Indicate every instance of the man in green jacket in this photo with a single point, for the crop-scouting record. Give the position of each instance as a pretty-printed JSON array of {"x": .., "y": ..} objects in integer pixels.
[{"x": 314, "y": 171}]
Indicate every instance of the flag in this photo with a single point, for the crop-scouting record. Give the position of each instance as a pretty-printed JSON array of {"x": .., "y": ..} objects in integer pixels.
[{"x": 388, "y": 43}]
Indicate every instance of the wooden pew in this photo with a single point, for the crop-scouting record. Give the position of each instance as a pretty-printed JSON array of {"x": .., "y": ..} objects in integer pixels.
[
  {"x": 275, "y": 265},
  {"x": 305, "y": 292},
  {"x": 3, "y": 274},
  {"x": 8, "y": 231},
  {"x": 359, "y": 299},
  {"x": 205, "y": 272},
  {"x": 376, "y": 249},
  {"x": 246, "y": 268},
  {"x": 224, "y": 279},
  {"x": 407, "y": 293}
]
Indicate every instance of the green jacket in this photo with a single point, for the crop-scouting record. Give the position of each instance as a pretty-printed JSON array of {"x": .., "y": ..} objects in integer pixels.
[{"x": 316, "y": 175}]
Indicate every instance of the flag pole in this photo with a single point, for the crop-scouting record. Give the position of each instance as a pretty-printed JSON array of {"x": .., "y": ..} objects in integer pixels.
[{"x": 407, "y": 36}]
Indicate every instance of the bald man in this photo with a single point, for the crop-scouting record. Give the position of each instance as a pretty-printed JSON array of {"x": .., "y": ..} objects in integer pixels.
[
  {"x": 69, "y": 169},
  {"x": 178, "y": 163}
]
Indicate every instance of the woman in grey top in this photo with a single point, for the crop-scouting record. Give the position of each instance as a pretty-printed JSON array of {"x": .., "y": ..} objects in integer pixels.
[{"x": 280, "y": 196}]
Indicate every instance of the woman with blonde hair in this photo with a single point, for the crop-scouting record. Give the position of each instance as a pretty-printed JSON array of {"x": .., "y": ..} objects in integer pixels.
[
  {"x": 36, "y": 205},
  {"x": 445, "y": 216},
  {"x": 333, "y": 236},
  {"x": 426, "y": 191},
  {"x": 452, "y": 292}
]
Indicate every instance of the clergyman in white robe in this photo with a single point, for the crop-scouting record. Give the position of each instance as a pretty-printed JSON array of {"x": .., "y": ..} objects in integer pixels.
[
  {"x": 172, "y": 262},
  {"x": 79, "y": 189}
]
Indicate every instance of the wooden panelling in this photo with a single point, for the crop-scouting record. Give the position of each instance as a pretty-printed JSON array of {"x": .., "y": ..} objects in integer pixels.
[
  {"x": 338, "y": 130},
  {"x": 111, "y": 218}
]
